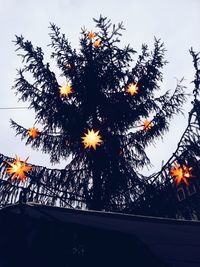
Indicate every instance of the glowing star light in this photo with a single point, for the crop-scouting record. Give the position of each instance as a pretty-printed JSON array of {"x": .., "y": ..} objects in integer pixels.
[
  {"x": 65, "y": 90},
  {"x": 68, "y": 66},
  {"x": 132, "y": 88},
  {"x": 97, "y": 43},
  {"x": 181, "y": 173},
  {"x": 91, "y": 35},
  {"x": 147, "y": 125},
  {"x": 18, "y": 169},
  {"x": 33, "y": 132},
  {"x": 91, "y": 139}
]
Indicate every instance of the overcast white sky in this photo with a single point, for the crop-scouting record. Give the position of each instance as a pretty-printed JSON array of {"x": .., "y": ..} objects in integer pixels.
[{"x": 176, "y": 22}]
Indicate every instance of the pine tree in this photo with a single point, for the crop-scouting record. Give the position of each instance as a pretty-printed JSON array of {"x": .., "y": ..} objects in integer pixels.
[
  {"x": 103, "y": 117},
  {"x": 165, "y": 195}
]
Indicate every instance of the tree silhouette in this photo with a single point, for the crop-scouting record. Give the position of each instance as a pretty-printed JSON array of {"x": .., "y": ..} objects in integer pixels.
[
  {"x": 110, "y": 93},
  {"x": 162, "y": 197}
]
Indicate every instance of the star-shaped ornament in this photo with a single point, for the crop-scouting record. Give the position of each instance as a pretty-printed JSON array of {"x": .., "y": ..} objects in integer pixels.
[
  {"x": 91, "y": 35},
  {"x": 91, "y": 139},
  {"x": 132, "y": 88},
  {"x": 147, "y": 125},
  {"x": 182, "y": 173},
  {"x": 97, "y": 43},
  {"x": 65, "y": 90},
  {"x": 33, "y": 132},
  {"x": 18, "y": 169}
]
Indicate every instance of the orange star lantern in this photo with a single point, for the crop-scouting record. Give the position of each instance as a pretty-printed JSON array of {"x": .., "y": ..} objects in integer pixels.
[
  {"x": 181, "y": 173},
  {"x": 91, "y": 139},
  {"x": 33, "y": 132},
  {"x": 18, "y": 169},
  {"x": 68, "y": 66},
  {"x": 132, "y": 88},
  {"x": 91, "y": 35},
  {"x": 97, "y": 43},
  {"x": 65, "y": 90},
  {"x": 147, "y": 125}
]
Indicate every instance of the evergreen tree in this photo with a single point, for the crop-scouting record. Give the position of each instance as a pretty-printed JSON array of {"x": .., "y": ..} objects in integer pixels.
[
  {"x": 104, "y": 117},
  {"x": 175, "y": 190}
]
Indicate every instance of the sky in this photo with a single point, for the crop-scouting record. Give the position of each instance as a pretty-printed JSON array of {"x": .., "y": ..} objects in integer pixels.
[{"x": 176, "y": 22}]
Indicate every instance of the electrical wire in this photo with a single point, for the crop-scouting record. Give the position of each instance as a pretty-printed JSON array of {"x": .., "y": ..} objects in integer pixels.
[{"x": 13, "y": 108}]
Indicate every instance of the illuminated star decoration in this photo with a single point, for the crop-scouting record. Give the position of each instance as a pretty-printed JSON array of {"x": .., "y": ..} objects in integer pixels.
[
  {"x": 147, "y": 125},
  {"x": 33, "y": 132},
  {"x": 68, "y": 66},
  {"x": 97, "y": 43},
  {"x": 65, "y": 90},
  {"x": 181, "y": 173},
  {"x": 132, "y": 88},
  {"x": 91, "y": 139},
  {"x": 91, "y": 35},
  {"x": 18, "y": 169}
]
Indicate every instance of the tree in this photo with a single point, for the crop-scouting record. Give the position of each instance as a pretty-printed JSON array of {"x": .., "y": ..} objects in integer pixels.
[
  {"x": 163, "y": 197},
  {"x": 104, "y": 117}
]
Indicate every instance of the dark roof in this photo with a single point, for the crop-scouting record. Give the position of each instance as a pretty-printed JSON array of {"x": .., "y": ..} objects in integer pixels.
[{"x": 176, "y": 242}]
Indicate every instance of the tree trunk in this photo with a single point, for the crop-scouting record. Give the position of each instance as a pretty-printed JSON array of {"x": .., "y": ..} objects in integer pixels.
[{"x": 97, "y": 198}]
